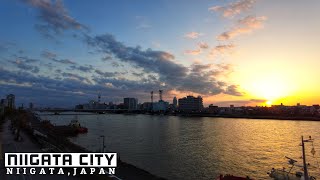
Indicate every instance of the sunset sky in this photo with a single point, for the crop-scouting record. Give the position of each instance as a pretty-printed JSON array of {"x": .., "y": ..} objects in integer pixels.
[{"x": 241, "y": 52}]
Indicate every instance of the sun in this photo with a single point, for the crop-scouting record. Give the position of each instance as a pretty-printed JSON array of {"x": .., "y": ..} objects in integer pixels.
[
  {"x": 269, "y": 103},
  {"x": 270, "y": 88}
]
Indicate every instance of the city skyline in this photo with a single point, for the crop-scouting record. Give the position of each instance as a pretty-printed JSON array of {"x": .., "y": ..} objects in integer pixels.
[{"x": 241, "y": 52}]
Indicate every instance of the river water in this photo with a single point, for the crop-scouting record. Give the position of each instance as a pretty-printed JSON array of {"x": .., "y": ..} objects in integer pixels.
[{"x": 198, "y": 147}]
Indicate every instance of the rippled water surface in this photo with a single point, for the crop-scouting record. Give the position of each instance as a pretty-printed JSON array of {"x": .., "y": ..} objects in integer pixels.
[{"x": 198, "y": 147}]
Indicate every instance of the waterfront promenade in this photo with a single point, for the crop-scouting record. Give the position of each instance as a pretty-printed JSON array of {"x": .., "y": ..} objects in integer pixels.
[
  {"x": 29, "y": 144},
  {"x": 8, "y": 144}
]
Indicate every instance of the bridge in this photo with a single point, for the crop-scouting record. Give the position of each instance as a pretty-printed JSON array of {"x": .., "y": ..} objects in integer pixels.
[{"x": 100, "y": 111}]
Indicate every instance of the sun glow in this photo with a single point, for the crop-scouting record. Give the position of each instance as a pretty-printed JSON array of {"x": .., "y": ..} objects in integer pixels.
[
  {"x": 268, "y": 103},
  {"x": 270, "y": 87}
]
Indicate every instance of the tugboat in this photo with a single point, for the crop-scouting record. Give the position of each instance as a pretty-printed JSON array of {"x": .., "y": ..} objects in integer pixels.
[
  {"x": 282, "y": 174},
  {"x": 77, "y": 126}
]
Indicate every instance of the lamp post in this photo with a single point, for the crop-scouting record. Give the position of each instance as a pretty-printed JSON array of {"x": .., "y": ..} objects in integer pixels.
[{"x": 103, "y": 146}]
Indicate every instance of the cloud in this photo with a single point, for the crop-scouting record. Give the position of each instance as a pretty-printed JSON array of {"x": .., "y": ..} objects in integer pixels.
[
  {"x": 106, "y": 74},
  {"x": 64, "y": 61},
  {"x": 193, "y": 35},
  {"x": 234, "y": 8},
  {"x": 193, "y": 52},
  {"x": 53, "y": 57},
  {"x": 116, "y": 64},
  {"x": 76, "y": 77},
  {"x": 233, "y": 90},
  {"x": 143, "y": 26},
  {"x": 241, "y": 102},
  {"x": 203, "y": 45},
  {"x": 48, "y": 55},
  {"x": 142, "y": 22},
  {"x": 87, "y": 69},
  {"x": 168, "y": 74},
  {"x": 244, "y": 26},
  {"x": 23, "y": 65},
  {"x": 54, "y": 17},
  {"x": 221, "y": 49},
  {"x": 26, "y": 59}
]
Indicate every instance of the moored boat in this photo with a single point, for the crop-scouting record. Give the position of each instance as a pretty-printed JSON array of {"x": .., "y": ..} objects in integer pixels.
[
  {"x": 231, "y": 177},
  {"x": 75, "y": 124}
]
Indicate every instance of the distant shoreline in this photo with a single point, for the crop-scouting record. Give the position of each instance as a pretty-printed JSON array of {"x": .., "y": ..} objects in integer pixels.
[
  {"x": 297, "y": 118},
  {"x": 273, "y": 117}
]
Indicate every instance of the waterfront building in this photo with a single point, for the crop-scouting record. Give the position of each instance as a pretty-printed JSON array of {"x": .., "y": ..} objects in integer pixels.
[
  {"x": 4, "y": 102},
  {"x": 191, "y": 104},
  {"x": 2, "y": 107},
  {"x": 146, "y": 106},
  {"x": 130, "y": 103},
  {"x": 92, "y": 105},
  {"x": 11, "y": 101},
  {"x": 175, "y": 102},
  {"x": 160, "y": 106},
  {"x": 31, "y": 106}
]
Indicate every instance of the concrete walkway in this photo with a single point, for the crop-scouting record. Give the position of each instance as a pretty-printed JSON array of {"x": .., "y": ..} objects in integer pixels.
[{"x": 26, "y": 145}]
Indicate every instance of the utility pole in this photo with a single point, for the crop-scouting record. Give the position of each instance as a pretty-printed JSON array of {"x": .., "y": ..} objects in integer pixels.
[
  {"x": 160, "y": 95},
  {"x": 151, "y": 100},
  {"x": 103, "y": 146},
  {"x": 305, "y": 168}
]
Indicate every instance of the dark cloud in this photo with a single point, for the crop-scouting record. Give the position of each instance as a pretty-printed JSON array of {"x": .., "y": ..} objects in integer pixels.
[
  {"x": 149, "y": 60},
  {"x": 106, "y": 74},
  {"x": 68, "y": 90},
  {"x": 23, "y": 65},
  {"x": 116, "y": 64},
  {"x": 64, "y": 61},
  {"x": 233, "y": 90},
  {"x": 53, "y": 57},
  {"x": 26, "y": 59},
  {"x": 87, "y": 68},
  {"x": 55, "y": 19},
  {"x": 138, "y": 74},
  {"x": 199, "y": 78},
  {"x": 76, "y": 77}
]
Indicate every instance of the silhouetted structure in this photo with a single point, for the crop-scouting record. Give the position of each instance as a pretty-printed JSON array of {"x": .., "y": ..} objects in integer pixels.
[
  {"x": 11, "y": 101},
  {"x": 130, "y": 103},
  {"x": 191, "y": 104},
  {"x": 175, "y": 102}
]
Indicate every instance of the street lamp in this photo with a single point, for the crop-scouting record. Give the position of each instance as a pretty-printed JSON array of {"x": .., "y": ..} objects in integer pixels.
[{"x": 103, "y": 146}]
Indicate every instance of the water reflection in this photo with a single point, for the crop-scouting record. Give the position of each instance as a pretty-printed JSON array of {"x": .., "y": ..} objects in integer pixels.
[{"x": 197, "y": 148}]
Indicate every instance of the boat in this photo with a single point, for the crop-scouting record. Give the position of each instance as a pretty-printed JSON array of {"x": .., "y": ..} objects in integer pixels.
[
  {"x": 75, "y": 124},
  {"x": 283, "y": 174},
  {"x": 231, "y": 177}
]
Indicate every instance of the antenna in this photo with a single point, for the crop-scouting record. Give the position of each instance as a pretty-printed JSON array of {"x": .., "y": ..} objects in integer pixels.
[
  {"x": 160, "y": 94},
  {"x": 151, "y": 96},
  {"x": 99, "y": 97}
]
